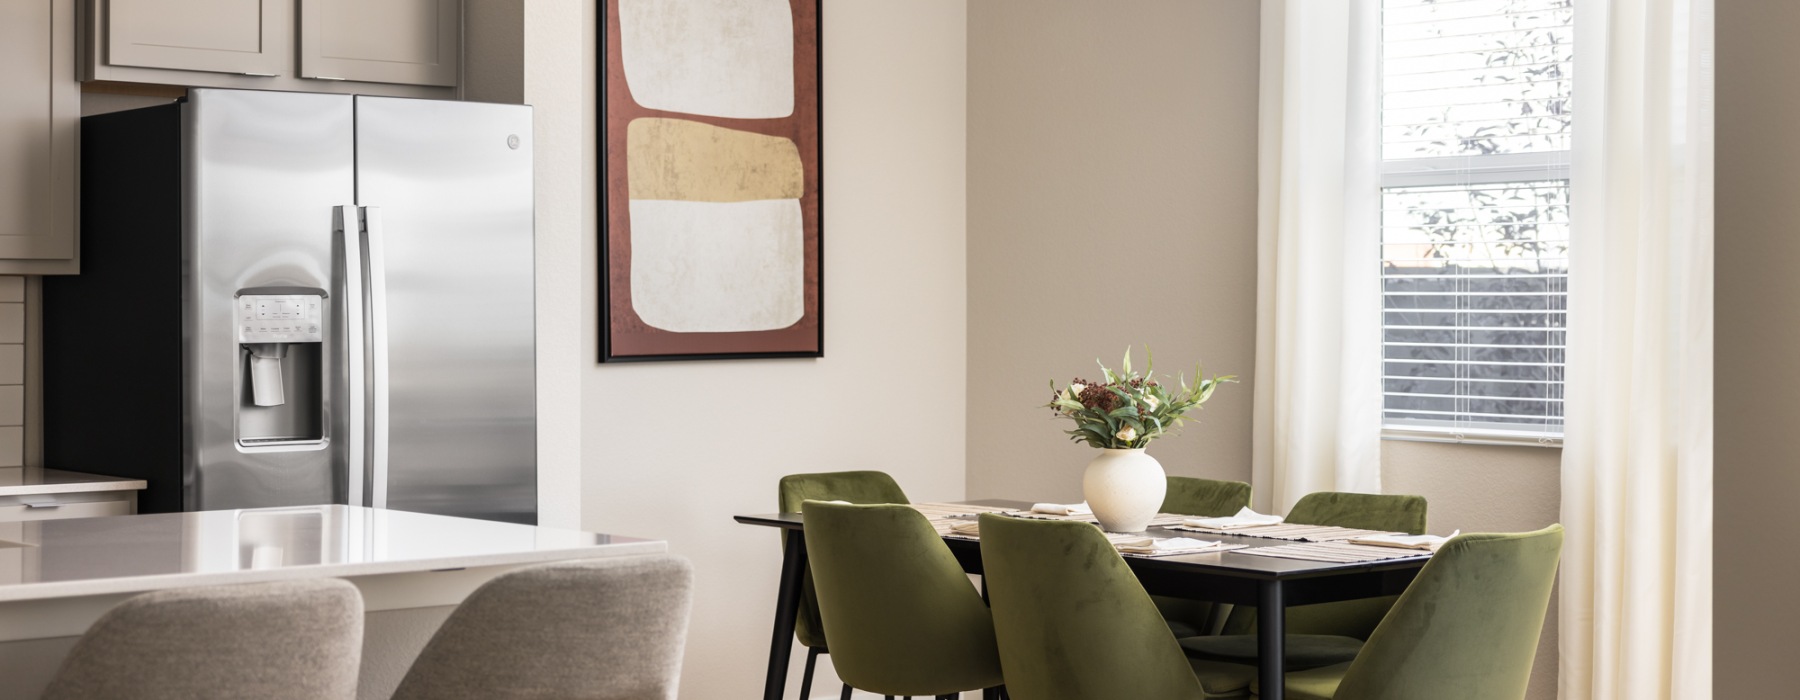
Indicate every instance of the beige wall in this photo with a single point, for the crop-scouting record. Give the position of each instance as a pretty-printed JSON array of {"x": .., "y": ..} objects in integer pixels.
[
  {"x": 1756, "y": 557},
  {"x": 1112, "y": 201},
  {"x": 672, "y": 449}
]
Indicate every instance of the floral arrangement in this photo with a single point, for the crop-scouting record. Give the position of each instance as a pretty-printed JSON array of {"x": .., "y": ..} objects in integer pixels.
[{"x": 1127, "y": 411}]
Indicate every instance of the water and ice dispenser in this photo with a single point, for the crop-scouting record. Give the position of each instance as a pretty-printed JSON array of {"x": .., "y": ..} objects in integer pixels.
[{"x": 280, "y": 335}]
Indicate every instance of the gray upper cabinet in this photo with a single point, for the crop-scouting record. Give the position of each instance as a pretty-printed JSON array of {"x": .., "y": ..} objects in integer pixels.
[
  {"x": 397, "y": 48},
  {"x": 411, "y": 42},
  {"x": 247, "y": 37},
  {"x": 38, "y": 138}
]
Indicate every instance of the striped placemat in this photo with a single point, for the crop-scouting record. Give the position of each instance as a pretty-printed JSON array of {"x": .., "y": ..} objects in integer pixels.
[
  {"x": 1219, "y": 547},
  {"x": 1336, "y": 552},
  {"x": 934, "y": 511},
  {"x": 1294, "y": 533},
  {"x": 1161, "y": 519},
  {"x": 959, "y": 528}
]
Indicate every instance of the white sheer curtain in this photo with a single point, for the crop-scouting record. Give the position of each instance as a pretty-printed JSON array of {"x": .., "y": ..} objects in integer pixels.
[
  {"x": 1636, "y": 606},
  {"x": 1318, "y": 335}
]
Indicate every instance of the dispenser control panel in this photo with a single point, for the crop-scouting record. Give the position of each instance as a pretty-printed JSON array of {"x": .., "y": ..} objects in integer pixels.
[{"x": 280, "y": 318}]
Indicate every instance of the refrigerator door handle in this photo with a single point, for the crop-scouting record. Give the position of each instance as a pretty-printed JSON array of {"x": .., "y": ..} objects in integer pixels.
[
  {"x": 346, "y": 223},
  {"x": 377, "y": 324}
]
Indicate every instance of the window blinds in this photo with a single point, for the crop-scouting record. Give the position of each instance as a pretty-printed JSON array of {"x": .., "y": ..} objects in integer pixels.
[{"x": 1476, "y": 99}]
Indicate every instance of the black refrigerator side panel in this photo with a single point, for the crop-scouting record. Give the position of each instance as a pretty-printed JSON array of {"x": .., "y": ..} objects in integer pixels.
[{"x": 112, "y": 334}]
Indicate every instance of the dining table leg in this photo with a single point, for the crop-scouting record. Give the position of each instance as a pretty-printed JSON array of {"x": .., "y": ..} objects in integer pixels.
[
  {"x": 787, "y": 608},
  {"x": 1271, "y": 640}
]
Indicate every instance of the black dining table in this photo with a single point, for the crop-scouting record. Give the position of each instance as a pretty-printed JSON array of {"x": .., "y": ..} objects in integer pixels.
[{"x": 1269, "y": 583}]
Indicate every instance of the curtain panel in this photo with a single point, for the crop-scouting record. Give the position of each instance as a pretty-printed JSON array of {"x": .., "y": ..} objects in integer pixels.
[
  {"x": 1318, "y": 335},
  {"x": 1636, "y": 604}
]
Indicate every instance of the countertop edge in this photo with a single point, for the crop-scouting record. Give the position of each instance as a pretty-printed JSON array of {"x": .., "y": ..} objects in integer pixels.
[
  {"x": 144, "y": 584},
  {"x": 100, "y": 483}
]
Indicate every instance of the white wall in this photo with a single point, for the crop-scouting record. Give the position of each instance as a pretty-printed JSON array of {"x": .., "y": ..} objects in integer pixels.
[
  {"x": 558, "y": 85},
  {"x": 672, "y": 450}
]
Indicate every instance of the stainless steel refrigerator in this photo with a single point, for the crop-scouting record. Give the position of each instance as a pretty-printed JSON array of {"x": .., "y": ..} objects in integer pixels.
[{"x": 295, "y": 299}]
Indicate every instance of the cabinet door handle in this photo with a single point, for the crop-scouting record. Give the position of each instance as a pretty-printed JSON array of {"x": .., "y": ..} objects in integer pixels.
[
  {"x": 262, "y": 75},
  {"x": 46, "y": 503}
]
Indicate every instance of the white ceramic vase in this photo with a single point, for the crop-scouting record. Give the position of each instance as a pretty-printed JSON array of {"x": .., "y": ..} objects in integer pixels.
[{"x": 1125, "y": 488}]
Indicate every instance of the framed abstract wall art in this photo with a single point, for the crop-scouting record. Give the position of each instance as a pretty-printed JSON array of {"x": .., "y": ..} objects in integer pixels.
[{"x": 709, "y": 187}]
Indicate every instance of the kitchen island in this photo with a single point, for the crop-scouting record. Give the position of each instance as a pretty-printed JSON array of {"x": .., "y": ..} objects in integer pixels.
[{"x": 412, "y": 570}]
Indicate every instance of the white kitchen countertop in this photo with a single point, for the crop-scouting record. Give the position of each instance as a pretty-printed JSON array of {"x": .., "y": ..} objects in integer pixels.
[
  {"x": 22, "y": 481},
  {"x": 136, "y": 553}
]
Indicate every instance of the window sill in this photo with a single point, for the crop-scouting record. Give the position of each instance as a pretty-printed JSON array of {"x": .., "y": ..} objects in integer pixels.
[{"x": 1472, "y": 438}]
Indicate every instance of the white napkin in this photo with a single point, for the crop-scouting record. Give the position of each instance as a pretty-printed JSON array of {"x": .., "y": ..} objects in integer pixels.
[
  {"x": 1425, "y": 542},
  {"x": 1062, "y": 509},
  {"x": 1147, "y": 545},
  {"x": 1244, "y": 518},
  {"x": 966, "y": 527}
]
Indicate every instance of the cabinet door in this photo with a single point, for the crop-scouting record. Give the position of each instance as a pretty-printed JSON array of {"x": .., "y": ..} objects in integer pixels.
[
  {"x": 38, "y": 121},
  {"x": 413, "y": 42},
  {"x": 223, "y": 36}
]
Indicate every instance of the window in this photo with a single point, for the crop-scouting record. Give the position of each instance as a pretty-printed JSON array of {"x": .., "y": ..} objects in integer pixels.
[{"x": 1475, "y": 117}]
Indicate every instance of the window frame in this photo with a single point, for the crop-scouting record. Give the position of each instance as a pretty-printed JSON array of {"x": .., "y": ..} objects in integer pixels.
[{"x": 1455, "y": 171}]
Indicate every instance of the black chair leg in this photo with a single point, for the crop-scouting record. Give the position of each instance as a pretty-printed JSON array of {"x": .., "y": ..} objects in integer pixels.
[
  {"x": 846, "y": 694},
  {"x": 812, "y": 659}
]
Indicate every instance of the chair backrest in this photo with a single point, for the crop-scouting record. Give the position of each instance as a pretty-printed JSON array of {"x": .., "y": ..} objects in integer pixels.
[
  {"x": 1072, "y": 621},
  {"x": 289, "y": 639},
  {"x": 852, "y": 487},
  {"x": 1368, "y": 511},
  {"x": 609, "y": 629},
  {"x": 1467, "y": 627},
  {"x": 902, "y": 616},
  {"x": 1205, "y": 497}
]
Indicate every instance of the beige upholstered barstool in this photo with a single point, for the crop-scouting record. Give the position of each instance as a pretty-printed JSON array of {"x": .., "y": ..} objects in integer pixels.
[
  {"x": 298, "y": 640},
  {"x": 607, "y": 629}
]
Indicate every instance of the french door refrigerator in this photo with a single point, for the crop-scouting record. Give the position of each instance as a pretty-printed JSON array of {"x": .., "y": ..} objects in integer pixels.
[{"x": 299, "y": 299}]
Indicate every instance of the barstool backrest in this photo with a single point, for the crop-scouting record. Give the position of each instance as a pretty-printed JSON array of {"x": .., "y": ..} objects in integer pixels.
[
  {"x": 609, "y": 629},
  {"x": 289, "y": 639}
]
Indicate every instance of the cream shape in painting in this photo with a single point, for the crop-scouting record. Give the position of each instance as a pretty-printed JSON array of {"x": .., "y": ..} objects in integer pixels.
[
  {"x": 718, "y": 267},
  {"x": 718, "y": 58}
]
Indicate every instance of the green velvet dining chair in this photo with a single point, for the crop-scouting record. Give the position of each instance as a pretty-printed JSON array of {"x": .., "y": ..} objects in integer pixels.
[
  {"x": 1327, "y": 633},
  {"x": 1201, "y": 498},
  {"x": 1205, "y": 498},
  {"x": 852, "y": 487},
  {"x": 902, "y": 617},
  {"x": 1073, "y": 623},
  {"x": 1466, "y": 628}
]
